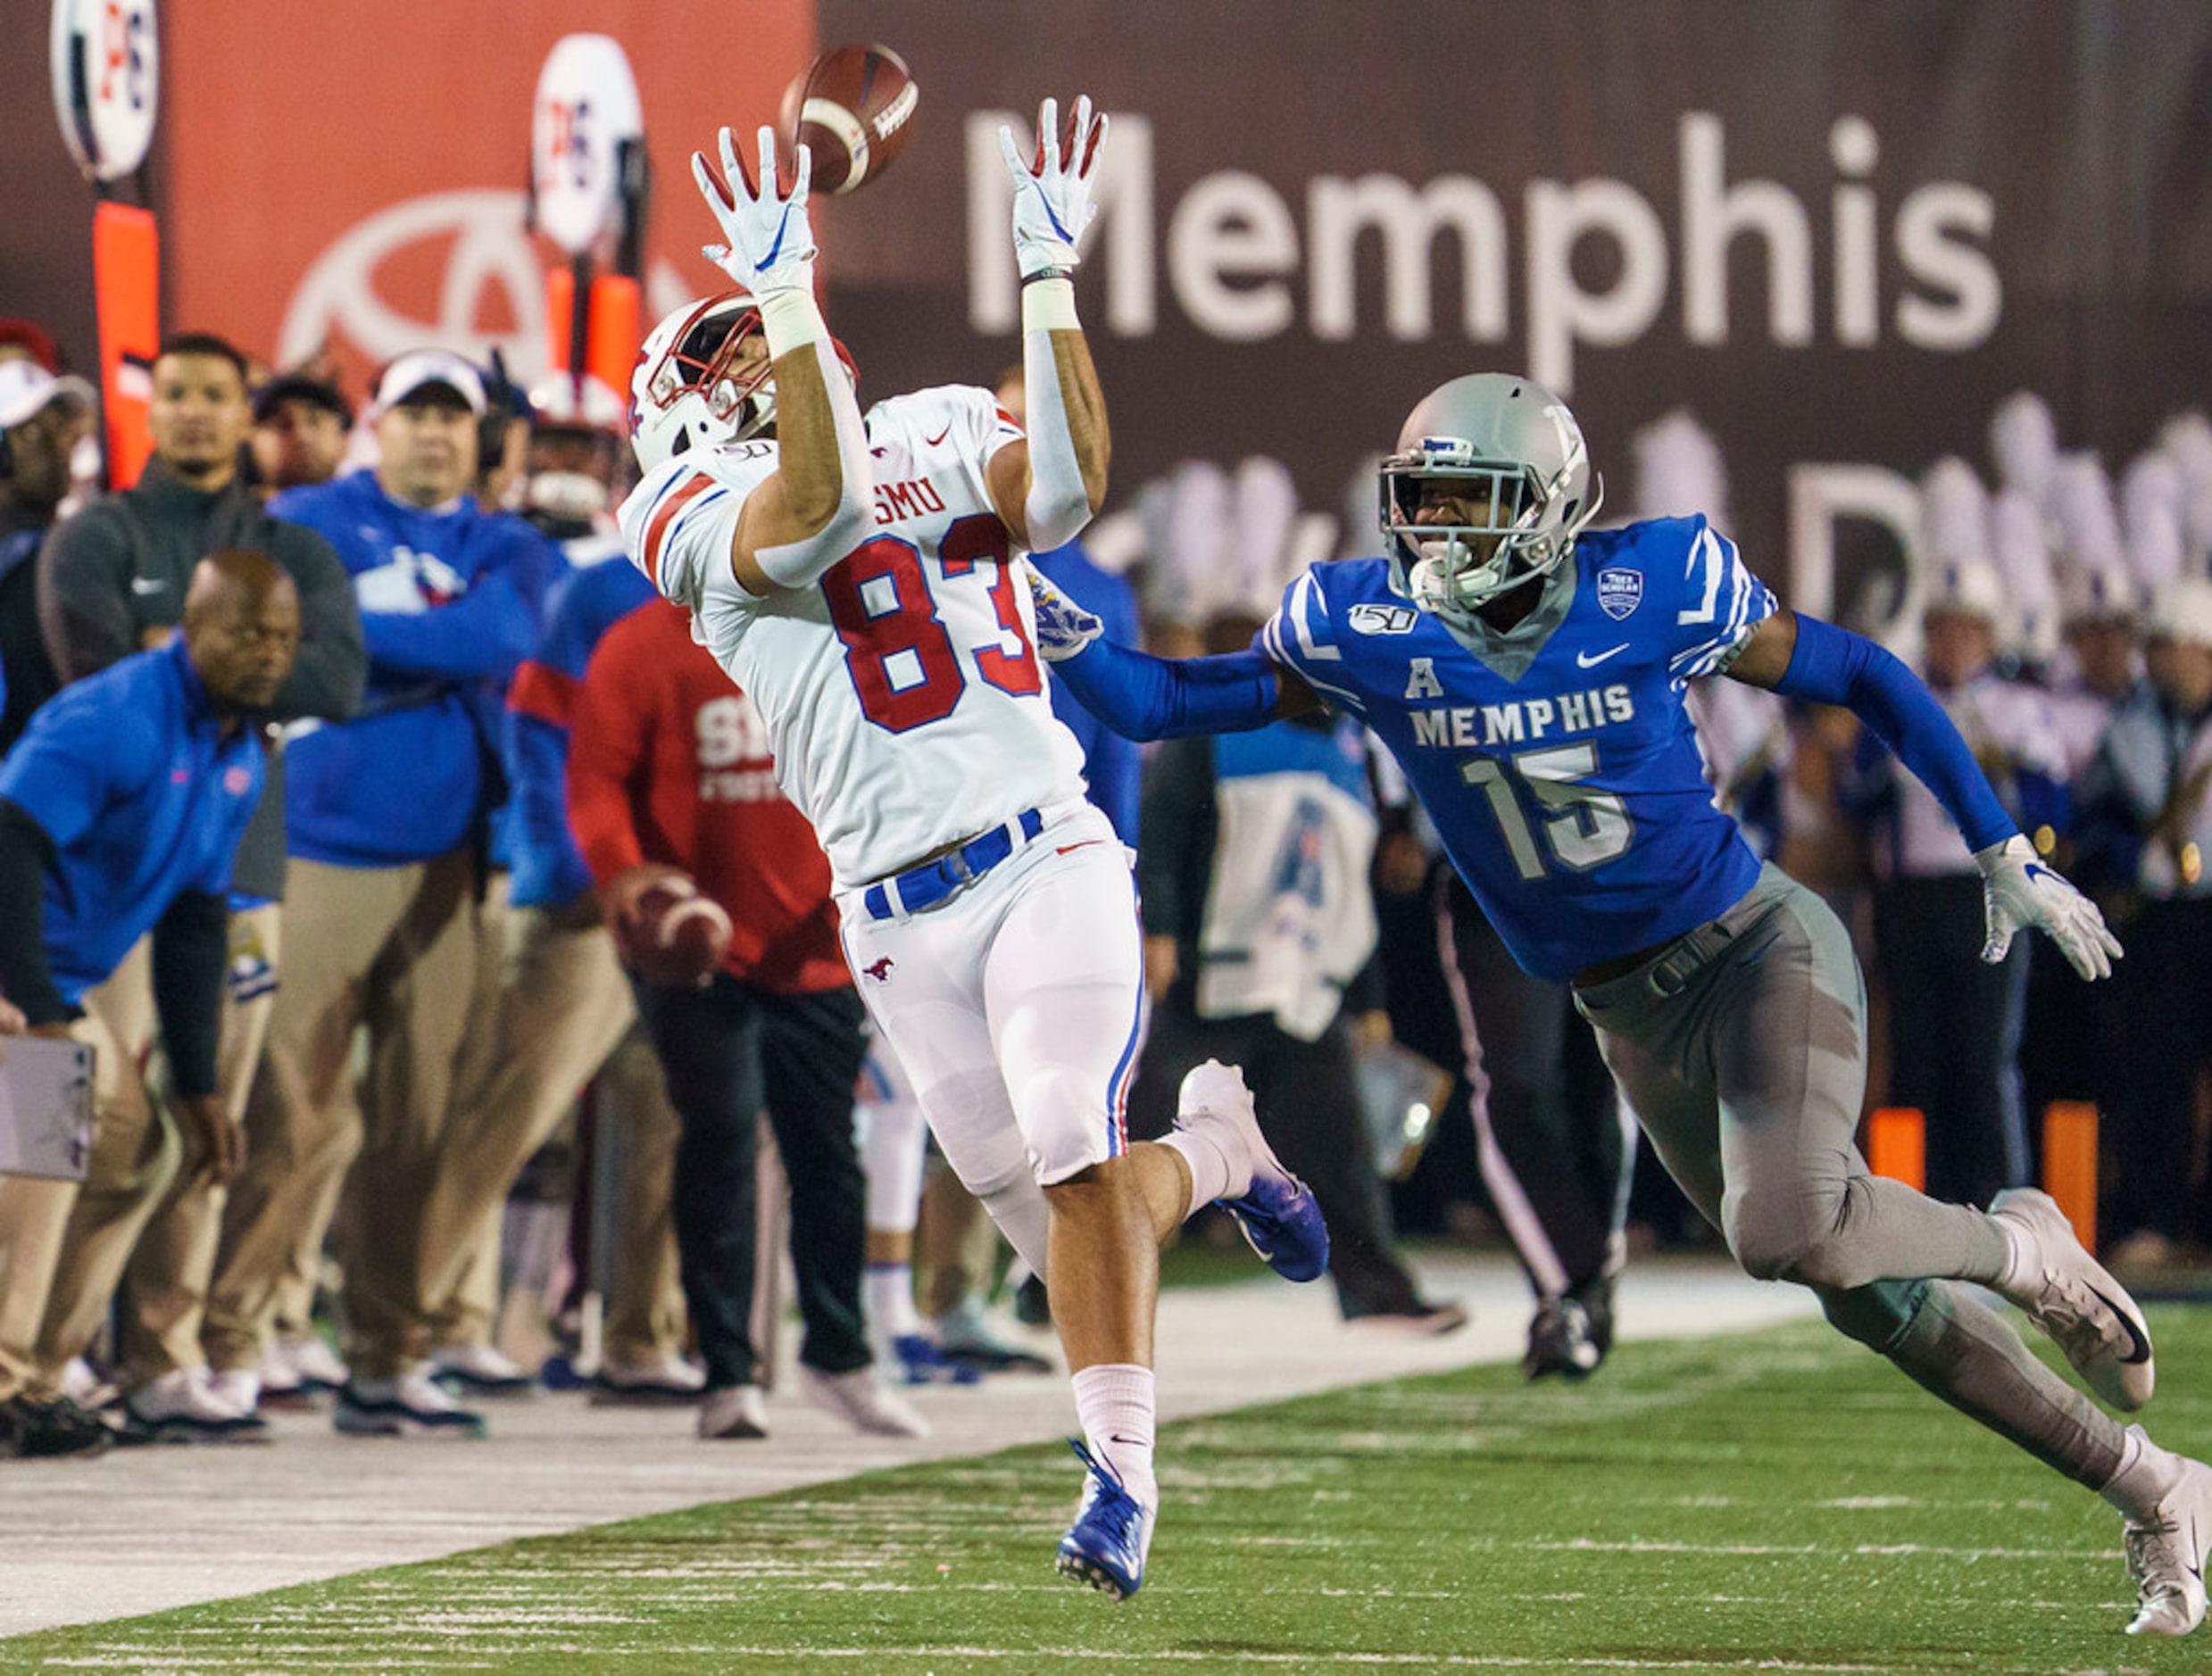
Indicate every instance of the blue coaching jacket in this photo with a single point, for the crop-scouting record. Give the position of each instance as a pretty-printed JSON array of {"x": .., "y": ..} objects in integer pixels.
[
  {"x": 129, "y": 773},
  {"x": 449, "y": 606}
]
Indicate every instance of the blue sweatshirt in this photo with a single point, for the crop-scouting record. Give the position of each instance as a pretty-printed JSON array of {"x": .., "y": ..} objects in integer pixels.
[
  {"x": 1112, "y": 769},
  {"x": 449, "y": 607},
  {"x": 547, "y": 869},
  {"x": 130, "y": 774}
]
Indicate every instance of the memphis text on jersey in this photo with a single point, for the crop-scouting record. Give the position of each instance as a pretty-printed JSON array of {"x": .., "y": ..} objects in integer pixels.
[{"x": 1519, "y": 721}]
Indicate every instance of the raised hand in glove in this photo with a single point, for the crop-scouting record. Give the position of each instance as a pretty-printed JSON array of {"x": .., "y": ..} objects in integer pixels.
[
  {"x": 1064, "y": 629},
  {"x": 2018, "y": 890},
  {"x": 1052, "y": 192},
  {"x": 769, "y": 246}
]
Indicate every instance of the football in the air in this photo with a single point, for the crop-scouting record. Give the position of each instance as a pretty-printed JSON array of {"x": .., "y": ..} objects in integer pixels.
[
  {"x": 852, "y": 107},
  {"x": 675, "y": 936}
]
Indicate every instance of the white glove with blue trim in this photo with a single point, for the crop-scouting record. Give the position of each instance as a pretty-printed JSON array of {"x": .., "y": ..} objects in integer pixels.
[
  {"x": 1064, "y": 629},
  {"x": 770, "y": 248},
  {"x": 2018, "y": 890},
  {"x": 1052, "y": 193}
]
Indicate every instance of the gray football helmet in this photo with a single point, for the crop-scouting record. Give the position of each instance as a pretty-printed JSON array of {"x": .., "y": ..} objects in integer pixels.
[{"x": 1504, "y": 438}]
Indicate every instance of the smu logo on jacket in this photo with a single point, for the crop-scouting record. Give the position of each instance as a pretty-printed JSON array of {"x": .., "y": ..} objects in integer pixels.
[{"x": 731, "y": 742}]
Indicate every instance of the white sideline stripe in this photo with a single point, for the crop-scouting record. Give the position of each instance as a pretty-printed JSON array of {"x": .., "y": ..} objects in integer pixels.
[
  {"x": 1302, "y": 1660},
  {"x": 2101, "y": 1556}
]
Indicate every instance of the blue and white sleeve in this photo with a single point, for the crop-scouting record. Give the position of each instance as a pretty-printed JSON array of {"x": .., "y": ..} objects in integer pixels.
[
  {"x": 1720, "y": 603},
  {"x": 1301, "y": 637}
]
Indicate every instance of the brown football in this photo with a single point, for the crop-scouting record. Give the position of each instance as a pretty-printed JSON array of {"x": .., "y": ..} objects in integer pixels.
[
  {"x": 676, "y": 936},
  {"x": 852, "y": 107}
]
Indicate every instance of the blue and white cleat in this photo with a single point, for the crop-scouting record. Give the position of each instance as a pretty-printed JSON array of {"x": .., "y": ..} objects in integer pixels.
[
  {"x": 920, "y": 1360},
  {"x": 1281, "y": 1220},
  {"x": 1106, "y": 1545}
]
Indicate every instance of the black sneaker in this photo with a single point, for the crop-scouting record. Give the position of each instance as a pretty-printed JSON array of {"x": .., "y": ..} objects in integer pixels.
[
  {"x": 1559, "y": 1342},
  {"x": 30, "y": 1429},
  {"x": 413, "y": 1406},
  {"x": 1596, "y": 1298}
]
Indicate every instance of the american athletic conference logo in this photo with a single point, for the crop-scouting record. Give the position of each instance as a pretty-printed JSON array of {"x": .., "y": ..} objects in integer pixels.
[{"x": 1619, "y": 592}]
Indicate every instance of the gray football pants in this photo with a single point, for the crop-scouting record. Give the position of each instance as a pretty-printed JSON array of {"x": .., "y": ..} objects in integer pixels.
[{"x": 1741, "y": 1046}]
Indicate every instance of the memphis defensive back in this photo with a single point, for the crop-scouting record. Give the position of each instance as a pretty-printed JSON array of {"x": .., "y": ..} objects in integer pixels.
[
  {"x": 930, "y": 640},
  {"x": 1594, "y": 798}
]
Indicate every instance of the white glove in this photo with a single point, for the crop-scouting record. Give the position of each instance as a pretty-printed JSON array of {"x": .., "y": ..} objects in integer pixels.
[
  {"x": 2017, "y": 889},
  {"x": 1064, "y": 629},
  {"x": 771, "y": 247},
  {"x": 1053, "y": 194}
]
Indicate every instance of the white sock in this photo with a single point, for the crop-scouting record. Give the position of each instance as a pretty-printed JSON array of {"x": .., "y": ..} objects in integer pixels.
[
  {"x": 1210, "y": 1167},
  {"x": 2147, "y": 1476},
  {"x": 1115, "y": 1404},
  {"x": 890, "y": 1297}
]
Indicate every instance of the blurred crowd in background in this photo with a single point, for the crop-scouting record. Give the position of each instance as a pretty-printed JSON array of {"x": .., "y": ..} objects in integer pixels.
[{"x": 464, "y": 1177}]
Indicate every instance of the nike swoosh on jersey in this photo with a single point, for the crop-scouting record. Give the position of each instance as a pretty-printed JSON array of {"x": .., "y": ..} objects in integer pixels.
[
  {"x": 1086, "y": 844},
  {"x": 940, "y": 436},
  {"x": 1583, "y": 660},
  {"x": 148, "y": 584},
  {"x": 2138, "y": 1346}
]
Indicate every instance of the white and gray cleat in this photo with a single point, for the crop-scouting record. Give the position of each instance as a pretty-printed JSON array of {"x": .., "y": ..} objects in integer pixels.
[
  {"x": 2165, "y": 1556},
  {"x": 2069, "y": 1295}
]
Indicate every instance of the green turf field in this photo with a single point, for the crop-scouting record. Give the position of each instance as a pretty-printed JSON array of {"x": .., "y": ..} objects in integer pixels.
[{"x": 1777, "y": 1502}]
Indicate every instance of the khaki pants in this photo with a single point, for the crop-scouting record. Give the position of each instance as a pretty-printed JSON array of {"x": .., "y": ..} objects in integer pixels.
[
  {"x": 956, "y": 1244},
  {"x": 393, "y": 950},
  {"x": 166, "y": 1285},
  {"x": 645, "y": 1317},
  {"x": 136, "y": 1155},
  {"x": 563, "y": 1004},
  {"x": 33, "y": 1214}
]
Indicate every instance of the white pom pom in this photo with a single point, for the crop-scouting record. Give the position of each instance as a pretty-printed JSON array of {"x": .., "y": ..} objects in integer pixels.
[
  {"x": 2024, "y": 440},
  {"x": 1679, "y": 469}
]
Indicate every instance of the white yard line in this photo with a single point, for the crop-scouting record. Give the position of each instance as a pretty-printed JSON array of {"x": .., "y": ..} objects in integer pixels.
[{"x": 145, "y": 1529}]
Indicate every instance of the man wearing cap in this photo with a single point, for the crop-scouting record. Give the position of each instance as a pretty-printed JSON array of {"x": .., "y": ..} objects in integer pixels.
[
  {"x": 300, "y": 427},
  {"x": 1955, "y": 1018},
  {"x": 390, "y": 816},
  {"x": 111, "y": 582},
  {"x": 2147, "y": 817},
  {"x": 42, "y": 417}
]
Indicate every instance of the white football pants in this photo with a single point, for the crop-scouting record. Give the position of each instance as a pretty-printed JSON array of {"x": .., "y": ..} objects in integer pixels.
[{"x": 1017, "y": 1007}]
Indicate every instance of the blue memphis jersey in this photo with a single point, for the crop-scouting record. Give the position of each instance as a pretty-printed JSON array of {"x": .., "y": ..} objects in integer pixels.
[{"x": 1571, "y": 798}]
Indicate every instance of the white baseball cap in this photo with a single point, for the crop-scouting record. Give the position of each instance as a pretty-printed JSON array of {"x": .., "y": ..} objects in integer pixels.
[
  {"x": 2181, "y": 610},
  {"x": 26, "y": 387},
  {"x": 1967, "y": 588},
  {"x": 420, "y": 369}
]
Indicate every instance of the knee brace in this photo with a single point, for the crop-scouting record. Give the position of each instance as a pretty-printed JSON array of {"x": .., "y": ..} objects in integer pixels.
[{"x": 893, "y": 1142}]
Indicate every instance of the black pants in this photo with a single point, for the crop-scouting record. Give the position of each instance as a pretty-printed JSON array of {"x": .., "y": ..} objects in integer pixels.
[
  {"x": 1555, "y": 1154},
  {"x": 730, "y": 1051},
  {"x": 1310, "y": 1109},
  {"x": 1955, "y": 1025},
  {"x": 2162, "y": 995}
]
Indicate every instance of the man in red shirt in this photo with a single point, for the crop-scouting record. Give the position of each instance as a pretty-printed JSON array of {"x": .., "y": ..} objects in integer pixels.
[{"x": 670, "y": 779}]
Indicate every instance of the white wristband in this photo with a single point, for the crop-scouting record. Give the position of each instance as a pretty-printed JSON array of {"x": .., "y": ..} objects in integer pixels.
[
  {"x": 791, "y": 321},
  {"x": 1049, "y": 305}
]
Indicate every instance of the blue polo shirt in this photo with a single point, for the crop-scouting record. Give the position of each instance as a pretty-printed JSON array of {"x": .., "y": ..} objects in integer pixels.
[{"x": 129, "y": 775}]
